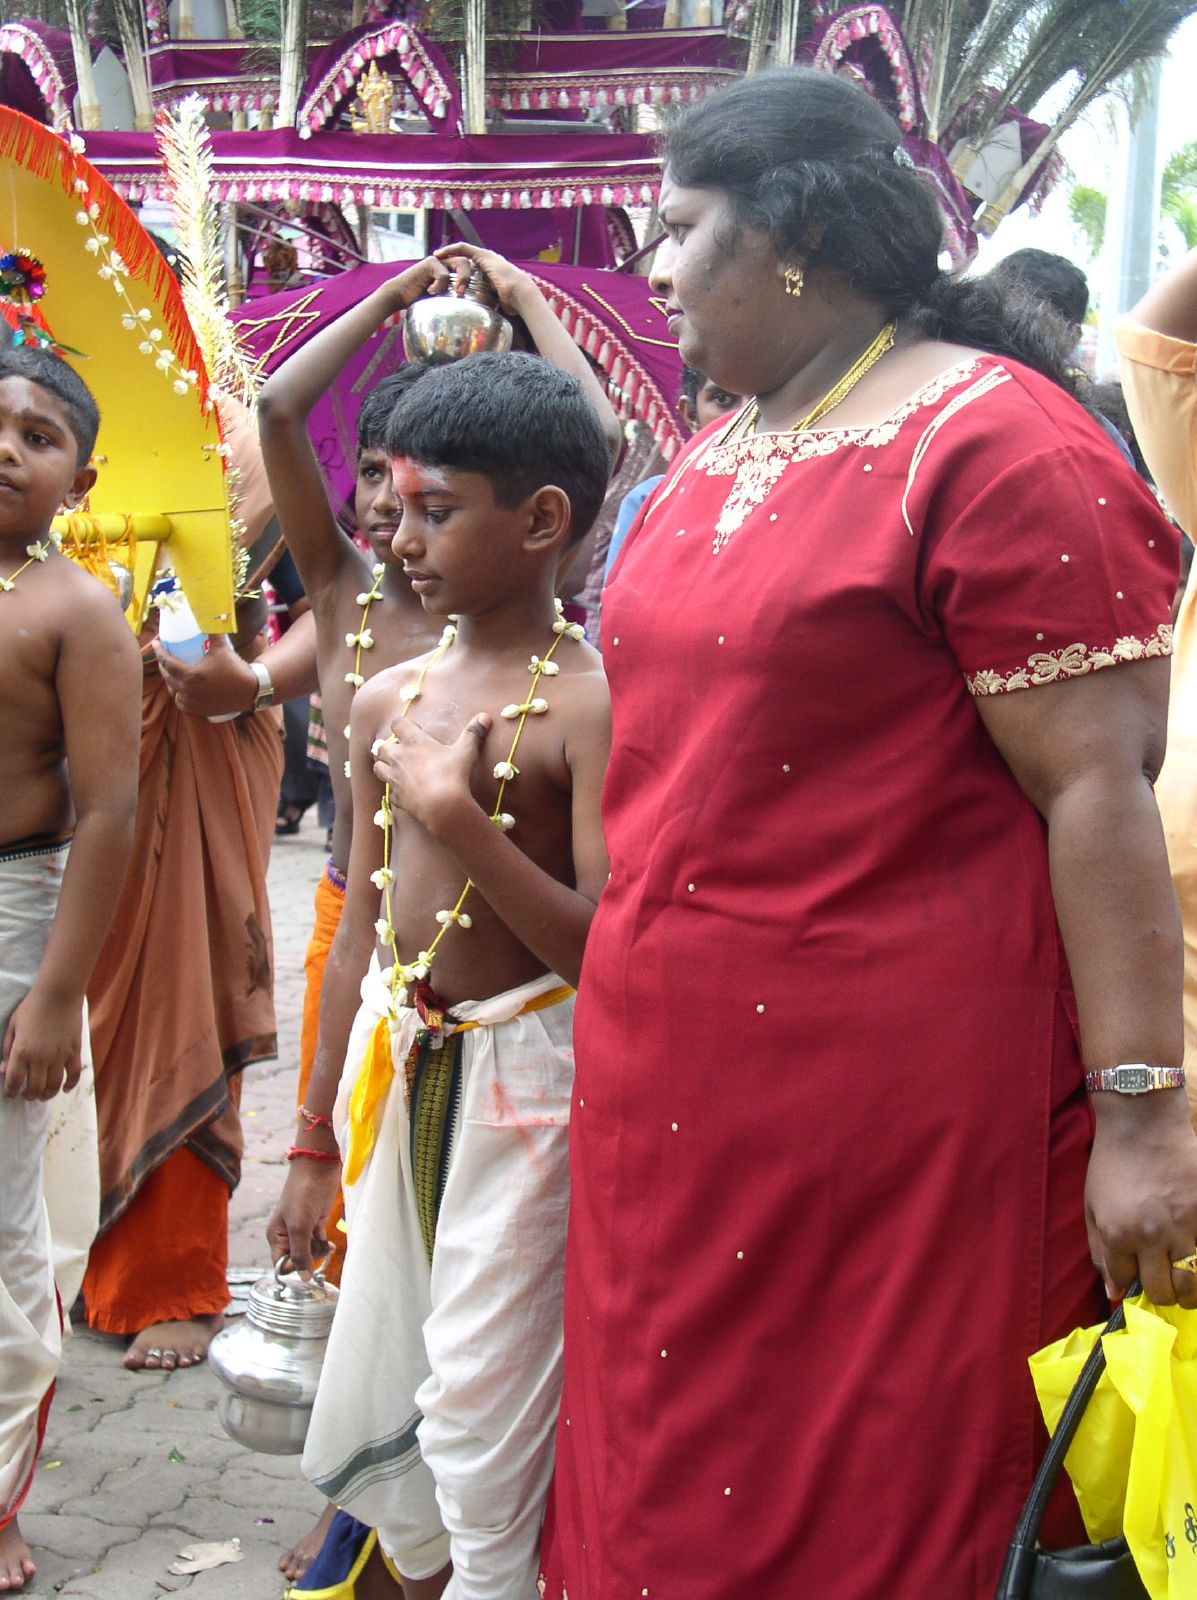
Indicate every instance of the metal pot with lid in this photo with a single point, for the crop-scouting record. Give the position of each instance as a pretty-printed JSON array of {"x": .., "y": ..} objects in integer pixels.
[
  {"x": 460, "y": 322},
  {"x": 269, "y": 1362}
]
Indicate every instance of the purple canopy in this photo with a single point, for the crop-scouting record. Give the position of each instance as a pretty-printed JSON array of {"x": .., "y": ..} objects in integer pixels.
[
  {"x": 37, "y": 72},
  {"x": 555, "y": 72},
  {"x": 612, "y": 316},
  {"x": 216, "y": 69},
  {"x": 335, "y": 69},
  {"x": 516, "y": 172}
]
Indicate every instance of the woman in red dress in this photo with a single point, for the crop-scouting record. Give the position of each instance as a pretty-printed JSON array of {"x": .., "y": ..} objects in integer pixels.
[{"x": 887, "y": 880}]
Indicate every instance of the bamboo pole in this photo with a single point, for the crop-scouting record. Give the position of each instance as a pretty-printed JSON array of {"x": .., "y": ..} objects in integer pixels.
[{"x": 85, "y": 78}]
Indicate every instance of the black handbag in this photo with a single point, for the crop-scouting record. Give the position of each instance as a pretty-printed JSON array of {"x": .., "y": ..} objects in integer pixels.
[{"x": 1090, "y": 1571}]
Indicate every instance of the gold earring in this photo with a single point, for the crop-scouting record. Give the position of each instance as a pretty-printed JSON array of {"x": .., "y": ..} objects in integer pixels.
[{"x": 795, "y": 278}]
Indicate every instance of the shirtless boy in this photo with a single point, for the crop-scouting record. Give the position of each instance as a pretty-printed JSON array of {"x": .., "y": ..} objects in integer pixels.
[
  {"x": 70, "y": 679},
  {"x": 436, "y": 1408}
]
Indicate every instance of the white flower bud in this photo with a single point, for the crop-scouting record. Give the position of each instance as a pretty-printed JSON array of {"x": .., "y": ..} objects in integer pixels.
[
  {"x": 128, "y": 323},
  {"x": 347, "y": 730},
  {"x": 444, "y": 918},
  {"x": 81, "y": 217},
  {"x": 550, "y": 669},
  {"x": 146, "y": 348},
  {"x": 351, "y": 639},
  {"x": 93, "y": 211},
  {"x": 380, "y": 818},
  {"x": 576, "y": 630},
  {"x": 464, "y": 920},
  {"x": 420, "y": 970},
  {"x": 179, "y": 386},
  {"x": 366, "y": 639},
  {"x": 378, "y": 569},
  {"x": 92, "y": 246},
  {"x": 410, "y": 692},
  {"x": 510, "y": 711},
  {"x": 364, "y": 599},
  {"x": 348, "y": 774},
  {"x": 156, "y": 335},
  {"x": 376, "y": 747},
  {"x": 380, "y": 927},
  {"x": 504, "y": 769},
  {"x": 505, "y": 821},
  {"x": 144, "y": 314},
  {"x": 538, "y": 707}
]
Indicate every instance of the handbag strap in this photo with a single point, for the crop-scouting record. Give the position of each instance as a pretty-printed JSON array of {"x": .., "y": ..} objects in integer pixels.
[{"x": 1020, "y": 1557}]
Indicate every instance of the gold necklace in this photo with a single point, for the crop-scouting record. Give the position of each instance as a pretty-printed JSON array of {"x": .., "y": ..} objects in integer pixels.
[
  {"x": 745, "y": 422},
  {"x": 35, "y": 552},
  {"x": 403, "y": 974}
]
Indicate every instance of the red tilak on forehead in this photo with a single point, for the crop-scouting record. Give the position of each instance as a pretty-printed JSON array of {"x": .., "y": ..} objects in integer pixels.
[{"x": 411, "y": 478}]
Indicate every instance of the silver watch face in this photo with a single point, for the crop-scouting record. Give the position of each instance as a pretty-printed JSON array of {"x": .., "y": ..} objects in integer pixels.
[{"x": 1132, "y": 1080}]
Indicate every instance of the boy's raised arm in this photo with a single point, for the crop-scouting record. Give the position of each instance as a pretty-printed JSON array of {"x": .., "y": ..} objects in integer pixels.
[
  {"x": 98, "y": 683},
  {"x": 286, "y": 401}
]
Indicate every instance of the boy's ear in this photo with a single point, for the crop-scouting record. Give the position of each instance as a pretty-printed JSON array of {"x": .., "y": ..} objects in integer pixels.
[
  {"x": 689, "y": 415},
  {"x": 81, "y": 485},
  {"x": 548, "y": 518}
]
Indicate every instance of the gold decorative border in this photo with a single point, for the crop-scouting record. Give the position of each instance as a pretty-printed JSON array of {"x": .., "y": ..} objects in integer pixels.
[{"x": 1074, "y": 661}]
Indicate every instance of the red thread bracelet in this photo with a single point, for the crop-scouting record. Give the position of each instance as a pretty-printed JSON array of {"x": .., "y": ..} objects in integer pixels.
[
  {"x": 314, "y": 1120},
  {"x": 297, "y": 1153}
]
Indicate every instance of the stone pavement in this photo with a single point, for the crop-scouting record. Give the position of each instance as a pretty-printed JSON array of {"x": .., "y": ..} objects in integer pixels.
[{"x": 136, "y": 1465}]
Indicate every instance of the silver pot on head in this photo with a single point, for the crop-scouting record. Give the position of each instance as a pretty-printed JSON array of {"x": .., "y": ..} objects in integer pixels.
[{"x": 461, "y": 322}]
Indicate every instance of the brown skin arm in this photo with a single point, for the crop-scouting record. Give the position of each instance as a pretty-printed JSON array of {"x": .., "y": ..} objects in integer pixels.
[
  {"x": 298, "y": 1219},
  {"x": 98, "y": 683},
  {"x": 431, "y": 782},
  {"x": 521, "y": 297},
  {"x": 223, "y": 681},
  {"x": 1085, "y": 753},
  {"x": 1170, "y": 306},
  {"x": 296, "y": 484}
]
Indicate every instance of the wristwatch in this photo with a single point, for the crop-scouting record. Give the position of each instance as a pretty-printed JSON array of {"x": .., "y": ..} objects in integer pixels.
[
  {"x": 1134, "y": 1077},
  {"x": 265, "y": 694}
]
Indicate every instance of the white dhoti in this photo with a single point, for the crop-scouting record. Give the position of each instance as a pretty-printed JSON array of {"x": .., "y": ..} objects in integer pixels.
[
  {"x": 49, "y": 1185},
  {"x": 435, "y": 1415}
]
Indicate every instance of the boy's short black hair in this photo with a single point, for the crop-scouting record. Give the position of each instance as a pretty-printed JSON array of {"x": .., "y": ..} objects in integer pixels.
[
  {"x": 51, "y": 373},
  {"x": 518, "y": 421},
  {"x": 384, "y": 397}
]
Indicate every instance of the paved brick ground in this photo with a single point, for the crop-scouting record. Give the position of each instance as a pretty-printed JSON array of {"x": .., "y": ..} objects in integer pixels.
[{"x": 136, "y": 1466}]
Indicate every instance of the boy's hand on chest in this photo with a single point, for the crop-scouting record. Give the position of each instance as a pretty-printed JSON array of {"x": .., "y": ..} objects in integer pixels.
[{"x": 431, "y": 778}]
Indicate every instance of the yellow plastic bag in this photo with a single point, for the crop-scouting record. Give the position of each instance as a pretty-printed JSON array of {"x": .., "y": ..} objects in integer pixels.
[{"x": 1133, "y": 1462}]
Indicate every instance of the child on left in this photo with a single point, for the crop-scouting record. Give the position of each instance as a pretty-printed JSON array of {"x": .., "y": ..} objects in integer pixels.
[{"x": 70, "y": 676}]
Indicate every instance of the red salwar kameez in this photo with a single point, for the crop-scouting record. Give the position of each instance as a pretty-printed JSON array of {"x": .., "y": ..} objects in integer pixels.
[{"x": 829, "y": 1128}]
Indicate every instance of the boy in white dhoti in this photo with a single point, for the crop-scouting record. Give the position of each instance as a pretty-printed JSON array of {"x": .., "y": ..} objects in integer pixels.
[
  {"x": 481, "y": 828},
  {"x": 70, "y": 677}
]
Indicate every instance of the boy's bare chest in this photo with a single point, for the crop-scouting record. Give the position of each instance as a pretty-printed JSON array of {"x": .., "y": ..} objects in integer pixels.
[{"x": 28, "y": 657}]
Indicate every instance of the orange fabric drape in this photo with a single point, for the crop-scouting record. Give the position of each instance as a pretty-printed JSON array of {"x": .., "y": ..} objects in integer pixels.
[{"x": 330, "y": 902}]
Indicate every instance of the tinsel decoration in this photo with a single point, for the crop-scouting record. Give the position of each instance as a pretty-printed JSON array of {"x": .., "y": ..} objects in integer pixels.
[{"x": 186, "y": 151}]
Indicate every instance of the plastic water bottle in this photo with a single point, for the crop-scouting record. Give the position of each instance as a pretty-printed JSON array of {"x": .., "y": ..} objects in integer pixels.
[{"x": 180, "y": 634}]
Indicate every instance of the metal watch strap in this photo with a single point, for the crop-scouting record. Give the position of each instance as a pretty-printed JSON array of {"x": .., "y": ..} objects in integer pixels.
[
  {"x": 1134, "y": 1077},
  {"x": 265, "y": 694}
]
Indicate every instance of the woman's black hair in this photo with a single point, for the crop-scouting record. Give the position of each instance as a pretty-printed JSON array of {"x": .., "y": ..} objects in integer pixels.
[{"x": 809, "y": 159}]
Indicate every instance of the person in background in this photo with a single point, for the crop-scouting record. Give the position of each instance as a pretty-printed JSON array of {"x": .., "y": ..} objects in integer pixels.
[
  {"x": 701, "y": 402},
  {"x": 1157, "y": 358},
  {"x": 1060, "y": 285},
  {"x": 182, "y": 996}
]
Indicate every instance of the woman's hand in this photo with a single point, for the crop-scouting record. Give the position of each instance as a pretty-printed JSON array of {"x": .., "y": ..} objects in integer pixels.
[
  {"x": 509, "y": 283},
  {"x": 296, "y": 1226},
  {"x": 42, "y": 1048},
  {"x": 1141, "y": 1195},
  {"x": 222, "y": 682},
  {"x": 430, "y": 780}
]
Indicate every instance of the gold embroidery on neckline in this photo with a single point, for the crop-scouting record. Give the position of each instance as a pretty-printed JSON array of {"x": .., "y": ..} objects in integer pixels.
[
  {"x": 757, "y": 463},
  {"x": 1074, "y": 661}
]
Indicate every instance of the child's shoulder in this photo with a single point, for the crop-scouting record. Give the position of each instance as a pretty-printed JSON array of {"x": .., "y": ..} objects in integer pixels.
[{"x": 384, "y": 690}]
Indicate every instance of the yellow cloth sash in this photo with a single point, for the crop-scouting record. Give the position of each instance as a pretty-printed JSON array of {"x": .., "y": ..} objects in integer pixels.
[{"x": 378, "y": 1068}]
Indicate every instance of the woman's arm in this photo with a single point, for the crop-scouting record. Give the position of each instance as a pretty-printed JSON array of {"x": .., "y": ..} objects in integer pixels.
[
  {"x": 1170, "y": 306},
  {"x": 1085, "y": 753},
  {"x": 223, "y": 681}
]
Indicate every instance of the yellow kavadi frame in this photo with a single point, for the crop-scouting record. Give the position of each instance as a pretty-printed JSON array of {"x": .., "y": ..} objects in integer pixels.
[{"x": 161, "y": 475}]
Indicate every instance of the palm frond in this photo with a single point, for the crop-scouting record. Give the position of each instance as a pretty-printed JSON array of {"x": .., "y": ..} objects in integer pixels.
[{"x": 186, "y": 150}]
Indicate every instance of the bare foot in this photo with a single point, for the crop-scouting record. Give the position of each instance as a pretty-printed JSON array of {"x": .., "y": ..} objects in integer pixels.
[
  {"x": 304, "y": 1551},
  {"x": 17, "y": 1565},
  {"x": 163, "y": 1346}
]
